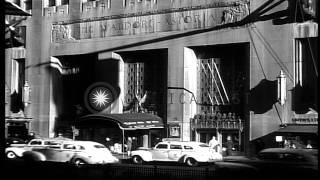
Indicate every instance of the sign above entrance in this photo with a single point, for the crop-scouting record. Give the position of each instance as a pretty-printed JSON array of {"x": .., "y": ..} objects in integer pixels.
[
  {"x": 99, "y": 96},
  {"x": 164, "y": 21},
  {"x": 127, "y": 121}
]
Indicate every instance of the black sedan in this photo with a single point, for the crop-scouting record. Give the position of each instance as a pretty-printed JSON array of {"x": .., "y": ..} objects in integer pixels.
[
  {"x": 14, "y": 140},
  {"x": 284, "y": 163}
]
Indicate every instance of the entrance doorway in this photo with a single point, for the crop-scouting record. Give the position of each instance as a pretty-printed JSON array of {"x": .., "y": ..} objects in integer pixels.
[
  {"x": 145, "y": 82},
  {"x": 223, "y": 80}
]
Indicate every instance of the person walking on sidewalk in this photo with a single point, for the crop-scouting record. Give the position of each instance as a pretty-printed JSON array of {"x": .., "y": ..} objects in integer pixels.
[
  {"x": 213, "y": 144},
  {"x": 129, "y": 146}
]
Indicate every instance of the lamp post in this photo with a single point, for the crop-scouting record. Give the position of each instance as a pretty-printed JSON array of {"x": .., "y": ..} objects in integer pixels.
[
  {"x": 26, "y": 94},
  {"x": 26, "y": 98},
  {"x": 282, "y": 88}
]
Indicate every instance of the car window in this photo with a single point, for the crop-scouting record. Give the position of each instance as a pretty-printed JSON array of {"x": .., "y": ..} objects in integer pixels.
[
  {"x": 188, "y": 147},
  {"x": 52, "y": 143},
  {"x": 99, "y": 146},
  {"x": 269, "y": 156},
  {"x": 162, "y": 146},
  {"x": 203, "y": 145},
  {"x": 175, "y": 146},
  {"x": 69, "y": 146},
  {"x": 35, "y": 142},
  {"x": 293, "y": 157}
]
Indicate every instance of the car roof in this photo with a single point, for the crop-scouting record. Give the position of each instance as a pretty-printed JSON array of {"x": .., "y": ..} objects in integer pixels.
[
  {"x": 183, "y": 142},
  {"x": 66, "y": 141},
  {"x": 45, "y": 139}
]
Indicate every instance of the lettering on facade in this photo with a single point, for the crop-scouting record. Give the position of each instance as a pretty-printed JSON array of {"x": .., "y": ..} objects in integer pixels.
[
  {"x": 235, "y": 13},
  {"x": 62, "y": 33},
  {"x": 146, "y": 24}
]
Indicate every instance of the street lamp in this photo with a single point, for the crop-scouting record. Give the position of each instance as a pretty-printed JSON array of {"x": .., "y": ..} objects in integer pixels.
[
  {"x": 282, "y": 88},
  {"x": 26, "y": 94}
]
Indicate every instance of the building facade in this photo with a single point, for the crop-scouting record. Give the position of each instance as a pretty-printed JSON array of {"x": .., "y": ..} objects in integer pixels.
[{"x": 235, "y": 69}]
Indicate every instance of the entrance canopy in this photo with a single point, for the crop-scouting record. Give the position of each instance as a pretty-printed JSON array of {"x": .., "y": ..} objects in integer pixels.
[{"x": 127, "y": 121}]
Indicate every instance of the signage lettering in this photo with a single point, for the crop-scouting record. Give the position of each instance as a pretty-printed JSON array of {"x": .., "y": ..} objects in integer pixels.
[{"x": 162, "y": 22}]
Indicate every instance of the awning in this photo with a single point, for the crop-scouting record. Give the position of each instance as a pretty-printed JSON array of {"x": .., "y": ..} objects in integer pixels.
[
  {"x": 127, "y": 121},
  {"x": 13, "y": 9},
  {"x": 299, "y": 128}
]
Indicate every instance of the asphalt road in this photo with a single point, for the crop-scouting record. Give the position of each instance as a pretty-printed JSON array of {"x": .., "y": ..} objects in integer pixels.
[{"x": 21, "y": 169}]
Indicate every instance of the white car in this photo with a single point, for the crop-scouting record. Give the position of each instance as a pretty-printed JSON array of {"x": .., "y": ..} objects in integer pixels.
[
  {"x": 16, "y": 150},
  {"x": 76, "y": 152},
  {"x": 190, "y": 153}
]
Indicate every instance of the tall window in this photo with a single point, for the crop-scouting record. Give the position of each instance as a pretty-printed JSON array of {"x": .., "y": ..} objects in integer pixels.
[
  {"x": 64, "y": 2},
  {"x": 17, "y": 83},
  {"x": 28, "y": 4},
  {"x": 306, "y": 75},
  {"x": 17, "y": 2},
  {"x": 52, "y": 3},
  {"x": 124, "y": 3},
  {"x": 108, "y": 4}
]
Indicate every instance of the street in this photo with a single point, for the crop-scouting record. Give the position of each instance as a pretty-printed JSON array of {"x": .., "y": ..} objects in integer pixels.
[{"x": 18, "y": 169}]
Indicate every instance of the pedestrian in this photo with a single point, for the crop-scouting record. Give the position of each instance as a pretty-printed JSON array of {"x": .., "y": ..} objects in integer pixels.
[
  {"x": 134, "y": 144},
  {"x": 129, "y": 146},
  {"x": 213, "y": 144},
  {"x": 108, "y": 143},
  {"x": 309, "y": 146},
  {"x": 31, "y": 136},
  {"x": 229, "y": 145},
  {"x": 286, "y": 143}
]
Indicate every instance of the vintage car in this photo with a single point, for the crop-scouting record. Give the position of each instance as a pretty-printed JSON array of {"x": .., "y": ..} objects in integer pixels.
[
  {"x": 283, "y": 161},
  {"x": 190, "y": 153},
  {"x": 12, "y": 141},
  {"x": 75, "y": 152},
  {"x": 16, "y": 150}
]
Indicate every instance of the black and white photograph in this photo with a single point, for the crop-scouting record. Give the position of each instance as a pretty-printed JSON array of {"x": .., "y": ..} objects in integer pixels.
[{"x": 160, "y": 89}]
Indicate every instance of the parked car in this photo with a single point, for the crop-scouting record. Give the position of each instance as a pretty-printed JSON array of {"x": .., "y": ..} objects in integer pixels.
[
  {"x": 13, "y": 140},
  {"x": 285, "y": 162},
  {"x": 16, "y": 150},
  {"x": 190, "y": 153},
  {"x": 76, "y": 152}
]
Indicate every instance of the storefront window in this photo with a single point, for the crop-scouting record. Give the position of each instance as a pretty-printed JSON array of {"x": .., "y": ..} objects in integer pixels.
[{"x": 174, "y": 131}]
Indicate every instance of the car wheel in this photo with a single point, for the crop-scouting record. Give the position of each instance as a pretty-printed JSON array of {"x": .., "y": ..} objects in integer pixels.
[
  {"x": 137, "y": 160},
  {"x": 11, "y": 155},
  {"x": 191, "y": 162},
  {"x": 79, "y": 162}
]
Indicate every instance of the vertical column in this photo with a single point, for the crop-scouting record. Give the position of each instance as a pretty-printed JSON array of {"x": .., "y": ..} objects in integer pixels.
[
  {"x": 145, "y": 140},
  {"x": 117, "y": 105},
  {"x": 219, "y": 137},
  {"x": 190, "y": 84},
  {"x": 175, "y": 80}
]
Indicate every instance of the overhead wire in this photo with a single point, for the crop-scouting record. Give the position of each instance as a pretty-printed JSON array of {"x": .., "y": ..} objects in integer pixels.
[{"x": 264, "y": 74}]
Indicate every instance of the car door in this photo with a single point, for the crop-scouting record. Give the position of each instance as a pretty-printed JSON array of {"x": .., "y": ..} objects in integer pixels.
[
  {"x": 175, "y": 151},
  {"x": 65, "y": 153},
  {"x": 160, "y": 152},
  {"x": 34, "y": 144}
]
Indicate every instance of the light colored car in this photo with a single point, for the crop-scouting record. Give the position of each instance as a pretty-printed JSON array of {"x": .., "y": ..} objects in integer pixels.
[
  {"x": 16, "y": 150},
  {"x": 76, "y": 152},
  {"x": 190, "y": 153}
]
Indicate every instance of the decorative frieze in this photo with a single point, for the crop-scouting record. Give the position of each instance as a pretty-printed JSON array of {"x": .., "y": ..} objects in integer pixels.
[{"x": 176, "y": 19}]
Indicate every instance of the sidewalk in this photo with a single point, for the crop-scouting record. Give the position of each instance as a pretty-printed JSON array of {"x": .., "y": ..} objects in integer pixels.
[{"x": 121, "y": 156}]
